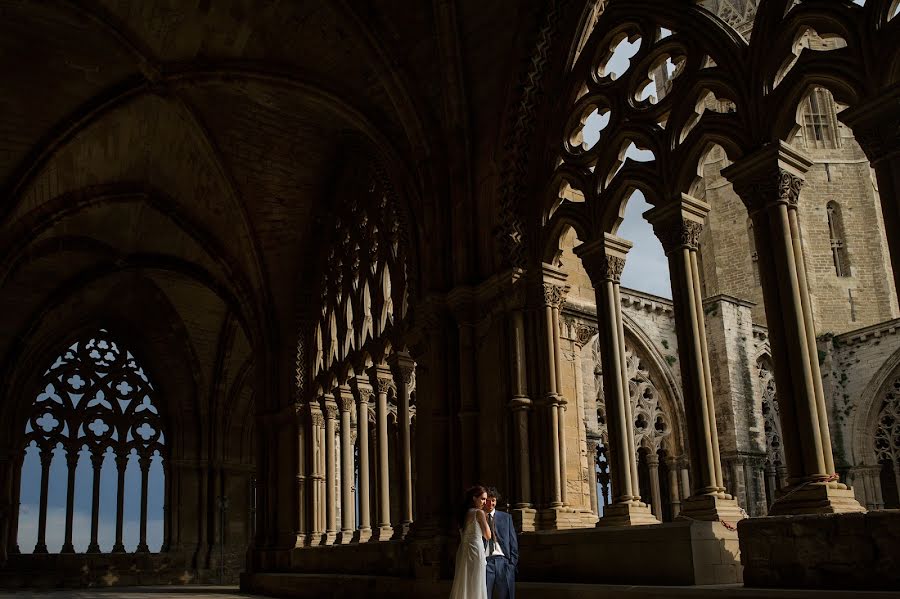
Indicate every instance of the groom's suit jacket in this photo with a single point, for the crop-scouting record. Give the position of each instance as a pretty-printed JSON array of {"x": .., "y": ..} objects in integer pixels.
[{"x": 506, "y": 536}]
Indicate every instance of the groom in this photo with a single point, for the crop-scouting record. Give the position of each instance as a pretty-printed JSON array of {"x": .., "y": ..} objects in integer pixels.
[{"x": 502, "y": 550}]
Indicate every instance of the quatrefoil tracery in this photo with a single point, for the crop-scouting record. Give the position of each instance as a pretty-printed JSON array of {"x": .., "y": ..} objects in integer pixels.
[{"x": 96, "y": 395}]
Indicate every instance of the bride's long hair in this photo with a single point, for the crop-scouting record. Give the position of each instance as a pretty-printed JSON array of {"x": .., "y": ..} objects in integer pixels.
[{"x": 466, "y": 503}]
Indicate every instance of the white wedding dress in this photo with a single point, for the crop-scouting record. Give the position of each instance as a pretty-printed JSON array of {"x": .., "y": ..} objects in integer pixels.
[{"x": 470, "y": 580}]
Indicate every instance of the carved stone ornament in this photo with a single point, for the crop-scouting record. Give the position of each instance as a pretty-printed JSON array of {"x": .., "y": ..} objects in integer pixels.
[
  {"x": 317, "y": 419},
  {"x": 584, "y": 333},
  {"x": 554, "y": 295},
  {"x": 345, "y": 402},
  {"x": 776, "y": 187},
  {"x": 385, "y": 384},
  {"x": 331, "y": 411},
  {"x": 611, "y": 269},
  {"x": 686, "y": 234}
]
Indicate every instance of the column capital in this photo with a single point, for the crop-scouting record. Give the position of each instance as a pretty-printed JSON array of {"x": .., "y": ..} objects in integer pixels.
[
  {"x": 604, "y": 259},
  {"x": 876, "y": 126},
  {"x": 361, "y": 387},
  {"x": 382, "y": 378},
  {"x": 403, "y": 367},
  {"x": 343, "y": 396},
  {"x": 653, "y": 459},
  {"x": 772, "y": 175},
  {"x": 678, "y": 224},
  {"x": 316, "y": 417}
]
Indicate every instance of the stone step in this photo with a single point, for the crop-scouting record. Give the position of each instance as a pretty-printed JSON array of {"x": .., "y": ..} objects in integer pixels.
[{"x": 348, "y": 586}]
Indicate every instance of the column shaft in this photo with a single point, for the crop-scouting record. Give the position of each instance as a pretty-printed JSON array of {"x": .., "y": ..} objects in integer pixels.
[
  {"x": 674, "y": 497},
  {"x": 348, "y": 509},
  {"x": 71, "y": 465},
  {"x": 302, "y": 489},
  {"x": 363, "y": 391},
  {"x": 145, "y": 474},
  {"x": 330, "y": 412},
  {"x": 46, "y": 459},
  {"x": 655, "y": 493},
  {"x": 403, "y": 368},
  {"x": 121, "y": 466},
  {"x": 604, "y": 260}
]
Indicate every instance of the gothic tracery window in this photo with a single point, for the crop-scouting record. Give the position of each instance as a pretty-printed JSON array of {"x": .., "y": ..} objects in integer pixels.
[
  {"x": 775, "y": 463},
  {"x": 819, "y": 125},
  {"x": 887, "y": 444},
  {"x": 95, "y": 405}
]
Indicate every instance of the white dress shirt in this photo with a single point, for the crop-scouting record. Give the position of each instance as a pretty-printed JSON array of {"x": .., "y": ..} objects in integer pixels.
[{"x": 497, "y": 550}]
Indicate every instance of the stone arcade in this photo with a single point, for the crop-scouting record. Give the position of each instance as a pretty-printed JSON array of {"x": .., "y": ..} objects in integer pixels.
[{"x": 291, "y": 275}]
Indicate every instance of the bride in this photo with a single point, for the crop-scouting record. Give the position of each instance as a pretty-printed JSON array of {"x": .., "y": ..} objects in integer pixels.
[{"x": 470, "y": 582}]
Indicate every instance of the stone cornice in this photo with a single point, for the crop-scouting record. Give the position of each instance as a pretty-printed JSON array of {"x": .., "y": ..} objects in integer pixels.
[{"x": 875, "y": 331}]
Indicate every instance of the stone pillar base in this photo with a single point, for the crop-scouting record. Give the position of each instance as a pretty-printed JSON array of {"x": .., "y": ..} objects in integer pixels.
[
  {"x": 815, "y": 498},
  {"x": 524, "y": 519},
  {"x": 316, "y": 540},
  {"x": 383, "y": 533},
  {"x": 330, "y": 538},
  {"x": 712, "y": 508},
  {"x": 563, "y": 518},
  {"x": 401, "y": 530},
  {"x": 345, "y": 537},
  {"x": 633, "y": 513},
  {"x": 299, "y": 541},
  {"x": 363, "y": 535}
]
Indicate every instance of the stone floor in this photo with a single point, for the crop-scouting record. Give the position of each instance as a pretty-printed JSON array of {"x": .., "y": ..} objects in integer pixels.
[
  {"x": 524, "y": 591},
  {"x": 185, "y": 592}
]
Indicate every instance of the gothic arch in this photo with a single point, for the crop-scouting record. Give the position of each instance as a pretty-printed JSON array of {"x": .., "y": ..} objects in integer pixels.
[{"x": 865, "y": 420}]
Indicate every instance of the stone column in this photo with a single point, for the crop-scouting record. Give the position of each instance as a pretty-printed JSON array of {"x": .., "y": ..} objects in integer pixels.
[
  {"x": 144, "y": 463},
  {"x": 381, "y": 376},
  {"x": 121, "y": 466},
  {"x": 18, "y": 459},
  {"x": 685, "y": 479},
  {"x": 674, "y": 496},
  {"x": 330, "y": 411},
  {"x": 302, "y": 470},
  {"x": 97, "y": 465},
  {"x": 46, "y": 459},
  {"x": 344, "y": 398},
  {"x": 876, "y": 126},
  {"x": 404, "y": 367},
  {"x": 769, "y": 183},
  {"x": 317, "y": 499},
  {"x": 655, "y": 493},
  {"x": 520, "y": 405},
  {"x": 678, "y": 225},
  {"x": 771, "y": 484},
  {"x": 554, "y": 292},
  {"x": 604, "y": 260},
  {"x": 592, "y": 446},
  {"x": 71, "y": 465},
  {"x": 363, "y": 391}
]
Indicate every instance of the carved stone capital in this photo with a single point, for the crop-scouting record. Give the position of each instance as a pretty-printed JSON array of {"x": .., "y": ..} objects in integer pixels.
[
  {"x": 331, "y": 411},
  {"x": 362, "y": 389},
  {"x": 382, "y": 379},
  {"x": 770, "y": 176},
  {"x": 604, "y": 259},
  {"x": 678, "y": 223},
  {"x": 555, "y": 295},
  {"x": 403, "y": 368},
  {"x": 876, "y": 126}
]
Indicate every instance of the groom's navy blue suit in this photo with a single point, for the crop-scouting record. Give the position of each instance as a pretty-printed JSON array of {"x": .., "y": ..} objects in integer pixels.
[{"x": 501, "y": 570}]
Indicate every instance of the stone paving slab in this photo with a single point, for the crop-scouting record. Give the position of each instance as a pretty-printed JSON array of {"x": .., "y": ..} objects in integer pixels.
[{"x": 168, "y": 592}]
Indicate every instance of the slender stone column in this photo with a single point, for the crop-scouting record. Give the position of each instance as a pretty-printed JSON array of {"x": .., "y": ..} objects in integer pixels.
[
  {"x": 46, "y": 459},
  {"x": 771, "y": 484},
  {"x": 674, "y": 496},
  {"x": 317, "y": 424},
  {"x": 685, "y": 481},
  {"x": 604, "y": 260},
  {"x": 561, "y": 402},
  {"x": 678, "y": 225},
  {"x": 381, "y": 376},
  {"x": 71, "y": 465},
  {"x": 302, "y": 469},
  {"x": 97, "y": 465},
  {"x": 363, "y": 391},
  {"x": 404, "y": 367},
  {"x": 121, "y": 466},
  {"x": 554, "y": 292},
  {"x": 592, "y": 446},
  {"x": 331, "y": 412},
  {"x": 876, "y": 126},
  {"x": 6, "y": 504},
  {"x": 769, "y": 184},
  {"x": 655, "y": 493},
  {"x": 344, "y": 398},
  {"x": 144, "y": 463}
]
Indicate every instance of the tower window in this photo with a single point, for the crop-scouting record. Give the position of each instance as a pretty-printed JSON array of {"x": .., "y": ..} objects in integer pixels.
[
  {"x": 819, "y": 121},
  {"x": 838, "y": 246}
]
